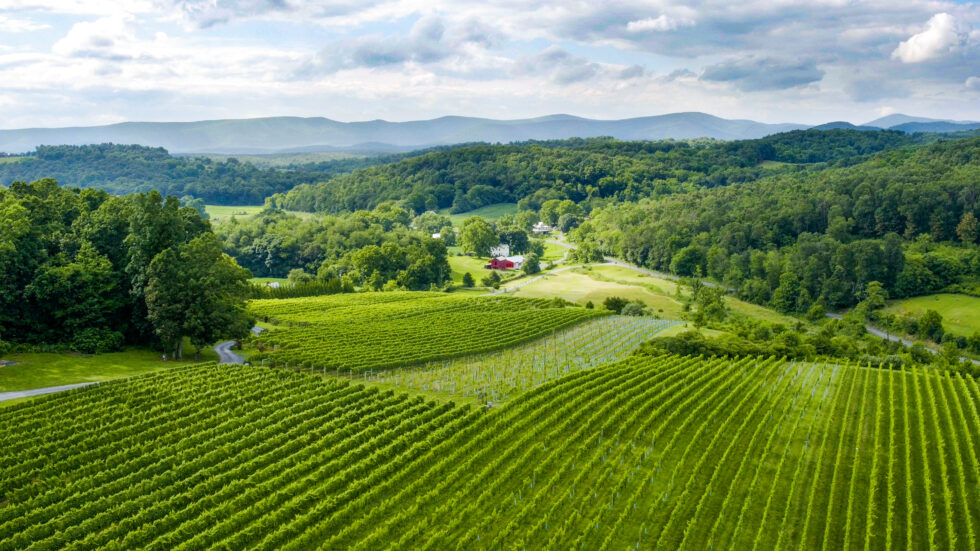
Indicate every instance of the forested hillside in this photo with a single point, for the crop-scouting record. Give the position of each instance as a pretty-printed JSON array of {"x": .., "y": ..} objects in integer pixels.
[
  {"x": 596, "y": 170},
  {"x": 906, "y": 218},
  {"x": 84, "y": 269}
]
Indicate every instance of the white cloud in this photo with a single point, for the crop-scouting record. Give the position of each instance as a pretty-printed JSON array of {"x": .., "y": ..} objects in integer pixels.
[
  {"x": 973, "y": 83},
  {"x": 661, "y": 23},
  {"x": 12, "y": 25},
  {"x": 105, "y": 38},
  {"x": 940, "y": 36}
]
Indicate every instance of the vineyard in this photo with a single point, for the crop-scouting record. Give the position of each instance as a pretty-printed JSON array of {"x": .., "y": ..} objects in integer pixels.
[
  {"x": 502, "y": 375},
  {"x": 388, "y": 330},
  {"x": 651, "y": 452}
]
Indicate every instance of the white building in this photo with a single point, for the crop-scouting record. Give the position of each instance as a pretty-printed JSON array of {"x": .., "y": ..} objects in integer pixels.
[
  {"x": 273, "y": 285},
  {"x": 541, "y": 227},
  {"x": 500, "y": 250}
]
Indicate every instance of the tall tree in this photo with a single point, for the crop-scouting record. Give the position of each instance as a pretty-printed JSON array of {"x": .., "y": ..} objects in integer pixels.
[{"x": 196, "y": 291}]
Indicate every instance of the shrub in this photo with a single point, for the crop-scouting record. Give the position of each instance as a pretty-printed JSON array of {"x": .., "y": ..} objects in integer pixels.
[
  {"x": 634, "y": 308},
  {"x": 615, "y": 304},
  {"x": 532, "y": 264},
  {"x": 96, "y": 341},
  {"x": 468, "y": 280}
]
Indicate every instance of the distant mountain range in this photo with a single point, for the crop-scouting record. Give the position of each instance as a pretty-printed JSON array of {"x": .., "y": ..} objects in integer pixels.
[{"x": 317, "y": 134}]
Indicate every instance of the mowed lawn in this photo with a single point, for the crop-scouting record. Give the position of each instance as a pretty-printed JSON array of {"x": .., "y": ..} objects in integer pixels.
[
  {"x": 598, "y": 282},
  {"x": 961, "y": 313},
  {"x": 220, "y": 213},
  {"x": 39, "y": 370}
]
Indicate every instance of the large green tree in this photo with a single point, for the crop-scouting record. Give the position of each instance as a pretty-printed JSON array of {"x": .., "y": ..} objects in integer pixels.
[{"x": 196, "y": 291}]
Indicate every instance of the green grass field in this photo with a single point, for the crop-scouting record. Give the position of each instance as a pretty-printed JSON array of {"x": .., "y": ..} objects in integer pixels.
[
  {"x": 961, "y": 313},
  {"x": 597, "y": 282},
  {"x": 39, "y": 370},
  {"x": 490, "y": 212},
  {"x": 264, "y": 280},
  {"x": 11, "y": 159},
  {"x": 220, "y": 213}
]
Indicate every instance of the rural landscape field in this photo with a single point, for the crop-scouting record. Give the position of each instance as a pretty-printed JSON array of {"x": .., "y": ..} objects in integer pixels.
[{"x": 349, "y": 276}]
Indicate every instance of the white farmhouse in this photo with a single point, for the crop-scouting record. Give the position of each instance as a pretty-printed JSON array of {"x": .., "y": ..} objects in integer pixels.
[
  {"x": 500, "y": 250},
  {"x": 541, "y": 227}
]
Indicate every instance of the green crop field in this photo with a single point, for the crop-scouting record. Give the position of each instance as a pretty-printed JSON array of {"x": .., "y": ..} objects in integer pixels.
[
  {"x": 961, "y": 313},
  {"x": 385, "y": 330},
  {"x": 503, "y": 374},
  {"x": 652, "y": 452}
]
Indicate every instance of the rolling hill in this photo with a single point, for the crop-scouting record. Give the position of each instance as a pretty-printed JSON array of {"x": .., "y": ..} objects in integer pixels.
[{"x": 286, "y": 134}]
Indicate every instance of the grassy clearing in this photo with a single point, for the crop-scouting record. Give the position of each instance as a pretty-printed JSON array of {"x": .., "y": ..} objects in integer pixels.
[
  {"x": 596, "y": 283},
  {"x": 11, "y": 159},
  {"x": 553, "y": 252},
  {"x": 961, "y": 313},
  {"x": 39, "y": 370},
  {"x": 472, "y": 264},
  {"x": 220, "y": 213},
  {"x": 490, "y": 212},
  {"x": 264, "y": 280}
]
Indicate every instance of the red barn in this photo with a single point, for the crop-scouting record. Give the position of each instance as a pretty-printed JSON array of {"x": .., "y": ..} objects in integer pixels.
[
  {"x": 500, "y": 264},
  {"x": 505, "y": 263}
]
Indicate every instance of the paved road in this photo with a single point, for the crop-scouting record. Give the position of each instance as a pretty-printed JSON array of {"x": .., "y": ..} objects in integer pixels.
[
  {"x": 226, "y": 355},
  {"x": 39, "y": 391},
  {"x": 895, "y": 338}
]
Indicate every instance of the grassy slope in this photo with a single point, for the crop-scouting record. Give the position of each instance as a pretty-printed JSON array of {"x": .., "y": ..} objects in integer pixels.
[
  {"x": 961, "y": 313},
  {"x": 39, "y": 370},
  {"x": 490, "y": 212},
  {"x": 596, "y": 283},
  {"x": 219, "y": 213}
]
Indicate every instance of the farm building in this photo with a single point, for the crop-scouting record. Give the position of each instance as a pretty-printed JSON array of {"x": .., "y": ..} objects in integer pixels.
[
  {"x": 273, "y": 285},
  {"x": 541, "y": 227},
  {"x": 505, "y": 263},
  {"x": 502, "y": 249}
]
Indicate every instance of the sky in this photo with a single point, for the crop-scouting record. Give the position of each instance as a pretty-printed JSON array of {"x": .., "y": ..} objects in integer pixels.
[{"x": 90, "y": 62}]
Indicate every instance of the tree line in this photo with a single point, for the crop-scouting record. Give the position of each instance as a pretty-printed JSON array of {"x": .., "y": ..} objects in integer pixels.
[
  {"x": 593, "y": 172},
  {"x": 90, "y": 271}
]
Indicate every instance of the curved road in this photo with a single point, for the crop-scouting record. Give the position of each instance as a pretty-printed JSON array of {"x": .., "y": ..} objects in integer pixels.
[
  {"x": 225, "y": 354},
  {"x": 895, "y": 338}
]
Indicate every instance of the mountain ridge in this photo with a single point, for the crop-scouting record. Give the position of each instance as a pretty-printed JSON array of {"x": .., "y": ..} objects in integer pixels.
[
  {"x": 277, "y": 134},
  {"x": 286, "y": 134}
]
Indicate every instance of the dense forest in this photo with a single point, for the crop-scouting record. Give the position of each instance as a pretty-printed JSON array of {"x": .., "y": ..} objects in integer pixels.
[
  {"x": 89, "y": 271},
  {"x": 905, "y": 218},
  {"x": 363, "y": 248},
  {"x": 591, "y": 171},
  {"x": 122, "y": 169}
]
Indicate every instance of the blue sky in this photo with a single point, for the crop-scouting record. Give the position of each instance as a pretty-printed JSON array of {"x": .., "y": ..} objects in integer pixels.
[{"x": 85, "y": 62}]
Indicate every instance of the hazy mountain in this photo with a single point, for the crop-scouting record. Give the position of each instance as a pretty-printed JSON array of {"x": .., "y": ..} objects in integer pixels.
[
  {"x": 935, "y": 126},
  {"x": 274, "y": 134},
  {"x": 844, "y": 125},
  {"x": 898, "y": 119}
]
